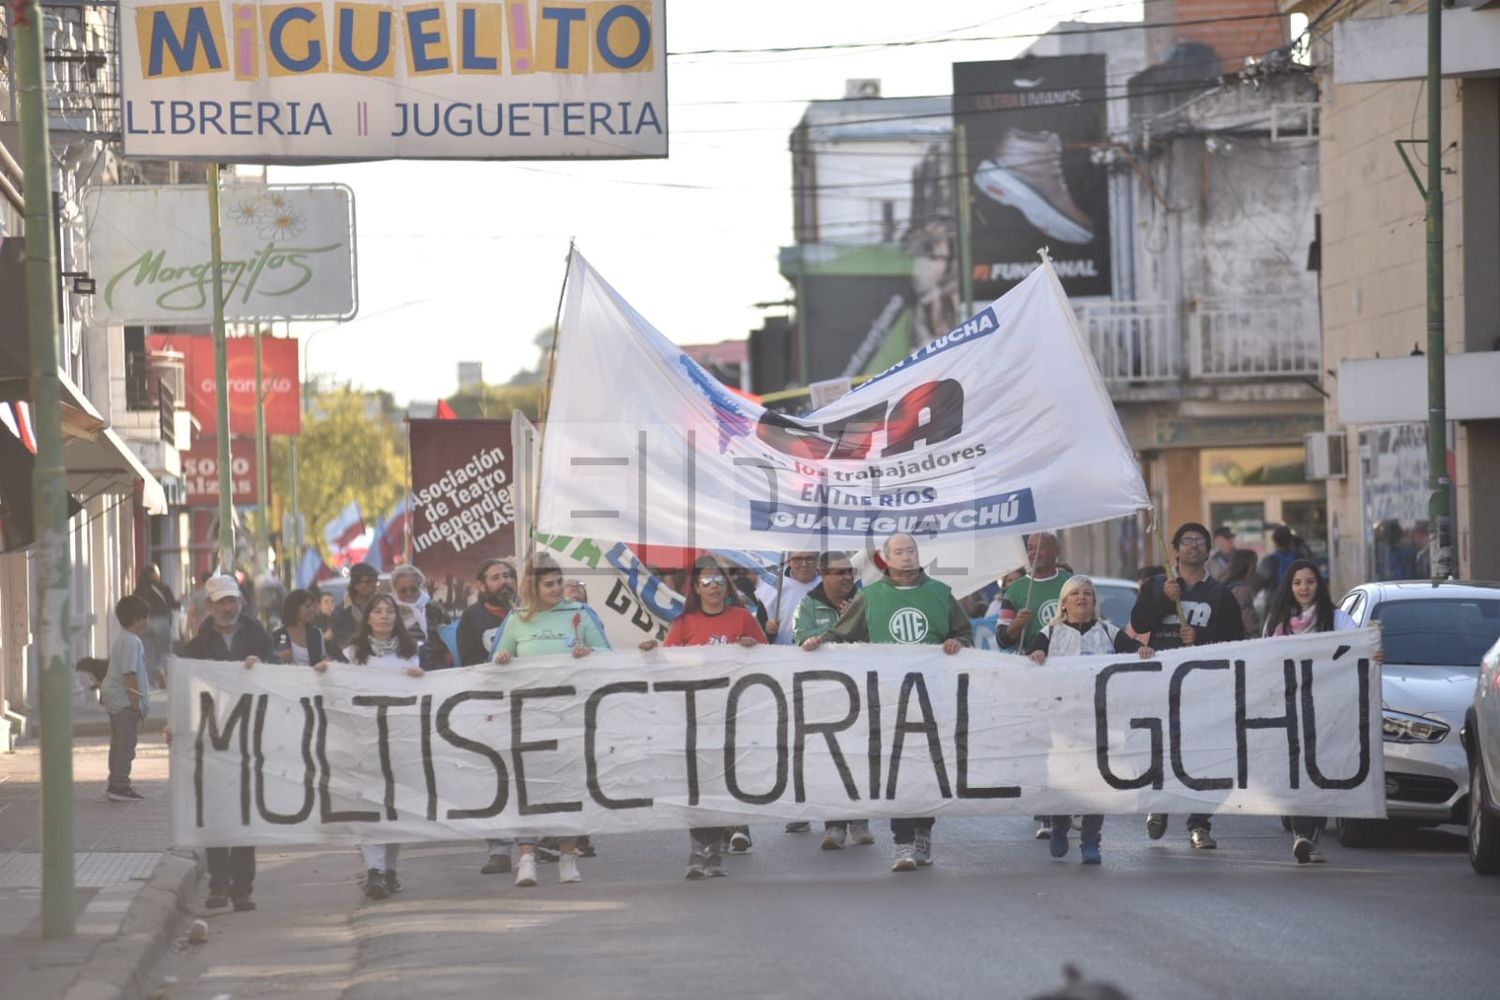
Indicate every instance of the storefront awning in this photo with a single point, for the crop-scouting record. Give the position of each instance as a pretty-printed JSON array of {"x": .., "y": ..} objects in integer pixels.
[{"x": 97, "y": 461}]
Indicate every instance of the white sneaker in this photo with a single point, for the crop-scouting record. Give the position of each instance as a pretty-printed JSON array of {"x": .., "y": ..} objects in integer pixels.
[
  {"x": 526, "y": 871},
  {"x": 567, "y": 868},
  {"x": 922, "y": 848},
  {"x": 833, "y": 838},
  {"x": 906, "y": 859},
  {"x": 859, "y": 833}
]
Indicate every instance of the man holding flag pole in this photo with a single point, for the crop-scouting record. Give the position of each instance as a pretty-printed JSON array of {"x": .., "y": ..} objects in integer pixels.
[{"x": 1189, "y": 608}]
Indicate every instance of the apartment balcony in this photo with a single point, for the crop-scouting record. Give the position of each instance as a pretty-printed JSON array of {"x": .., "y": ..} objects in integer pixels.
[
  {"x": 153, "y": 418},
  {"x": 1160, "y": 350}
]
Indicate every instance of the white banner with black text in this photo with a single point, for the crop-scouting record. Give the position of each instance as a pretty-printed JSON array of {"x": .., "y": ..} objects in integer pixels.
[{"x": 706, "y": 736}]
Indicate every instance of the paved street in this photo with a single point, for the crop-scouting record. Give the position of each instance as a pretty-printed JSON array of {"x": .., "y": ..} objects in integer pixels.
[{"x": 996, "y": 917}]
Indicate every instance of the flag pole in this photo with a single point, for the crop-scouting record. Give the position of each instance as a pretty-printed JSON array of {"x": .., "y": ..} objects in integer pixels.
[
  {"x": 1166, "y": 556},
  {"x": 541, "y": 438}
]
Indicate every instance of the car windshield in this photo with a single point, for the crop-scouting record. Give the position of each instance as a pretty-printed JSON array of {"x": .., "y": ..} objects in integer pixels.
[
  {"x": 1449, "y": 632},
  {"x": 1115, "y": 602}
]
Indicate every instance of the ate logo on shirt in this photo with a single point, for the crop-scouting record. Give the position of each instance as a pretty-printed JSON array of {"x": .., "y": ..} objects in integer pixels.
[
  {"x": 908, "y": 626},
  {"x": 1048, "y": 612}
]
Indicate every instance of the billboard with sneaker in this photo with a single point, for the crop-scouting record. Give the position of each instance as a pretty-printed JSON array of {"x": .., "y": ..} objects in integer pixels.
[{"x": 1031, "y": 127}]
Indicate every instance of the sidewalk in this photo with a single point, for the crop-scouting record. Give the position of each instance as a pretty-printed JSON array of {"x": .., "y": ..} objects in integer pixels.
[{"x": 127, "y": 885}]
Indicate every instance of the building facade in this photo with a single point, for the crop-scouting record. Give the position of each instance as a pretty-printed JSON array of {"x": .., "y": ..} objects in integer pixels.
[{"x": 1371, "y": 63}]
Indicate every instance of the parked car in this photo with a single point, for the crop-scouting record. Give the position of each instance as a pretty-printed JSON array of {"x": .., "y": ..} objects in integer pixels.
[
  {"x": 1434, "y": 635},
  {"x": 1481, "y": 738},
  {"x": 1116, "y": 598}
]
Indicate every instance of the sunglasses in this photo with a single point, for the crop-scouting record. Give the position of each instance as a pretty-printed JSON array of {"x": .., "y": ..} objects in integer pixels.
[{"x": 710, "y": 581}]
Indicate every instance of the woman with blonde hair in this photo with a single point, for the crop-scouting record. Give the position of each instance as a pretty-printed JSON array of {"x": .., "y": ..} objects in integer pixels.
[
  {"x": 547, "y": 624},
  {"x": 1079, "y": 631}
]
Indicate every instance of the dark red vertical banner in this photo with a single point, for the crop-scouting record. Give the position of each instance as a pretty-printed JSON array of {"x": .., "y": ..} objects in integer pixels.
[{"x": 462, "y": 511}]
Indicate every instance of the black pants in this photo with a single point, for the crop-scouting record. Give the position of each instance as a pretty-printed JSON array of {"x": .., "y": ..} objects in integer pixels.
[
  {"x": 231, "y": 870},
  {"x": 1309, "y": 826},
  {"x": 707, "y": 836},
  {"x": 124, "y": 732},
  {"x": 904, "y": 830},
  {"x": 1199, "y": 821}
]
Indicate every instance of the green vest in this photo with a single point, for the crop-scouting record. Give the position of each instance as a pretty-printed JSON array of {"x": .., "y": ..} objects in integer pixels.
[
  {"x": 1041, "y": 597},
  {"x": 907, "y": 616}
]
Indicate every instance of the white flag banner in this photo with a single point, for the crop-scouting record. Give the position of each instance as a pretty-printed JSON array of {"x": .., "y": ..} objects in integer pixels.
[
  {"x": 707, "y": 736},
  {"x": 1001, "y": 427}
]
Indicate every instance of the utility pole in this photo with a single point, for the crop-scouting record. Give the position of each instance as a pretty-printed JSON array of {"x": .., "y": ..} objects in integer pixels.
[
  {"x": 221, "y": 376},
  {"x": 1441, "y": 551},
  {"x": 263, "y": 521},
  {"x": 48, "y": 482}
]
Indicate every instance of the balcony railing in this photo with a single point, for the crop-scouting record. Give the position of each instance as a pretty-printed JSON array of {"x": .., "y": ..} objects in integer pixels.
[
  {"x": 1133, "y": 341},
  {"x": 1244, "y": 339},
  {"x": 1155, "y": 342}
]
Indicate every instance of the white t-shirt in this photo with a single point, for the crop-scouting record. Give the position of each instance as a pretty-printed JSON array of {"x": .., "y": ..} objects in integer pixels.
[{"x": 792, "y": 592}]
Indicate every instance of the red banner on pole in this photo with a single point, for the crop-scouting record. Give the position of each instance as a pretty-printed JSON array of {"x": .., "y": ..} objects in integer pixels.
[
  {"x": 462, "y": 511},
  {"x": 279, "y": 376}
]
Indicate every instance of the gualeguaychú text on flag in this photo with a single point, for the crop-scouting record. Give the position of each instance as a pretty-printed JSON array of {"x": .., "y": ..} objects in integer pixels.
[{"x": 1000, "y": 428}]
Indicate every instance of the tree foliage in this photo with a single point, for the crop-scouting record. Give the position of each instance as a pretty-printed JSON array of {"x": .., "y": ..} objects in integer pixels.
[{"x": 352, "y": 448}]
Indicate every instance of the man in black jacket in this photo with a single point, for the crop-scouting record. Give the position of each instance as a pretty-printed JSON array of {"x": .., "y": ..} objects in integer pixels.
[
  {"x": 1213, "y": 615},
  {"x": 481, "y": 621},
  {"x": 230, "y": 634}
]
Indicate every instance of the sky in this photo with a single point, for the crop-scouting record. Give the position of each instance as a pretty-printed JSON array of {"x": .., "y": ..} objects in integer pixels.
[{"x": 464, "y": 261}]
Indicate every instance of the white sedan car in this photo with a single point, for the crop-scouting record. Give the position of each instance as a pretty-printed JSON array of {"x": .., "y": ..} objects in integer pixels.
[
  {"x": 1434, "y": 635},
  {"x": 1481, "y": 735}
]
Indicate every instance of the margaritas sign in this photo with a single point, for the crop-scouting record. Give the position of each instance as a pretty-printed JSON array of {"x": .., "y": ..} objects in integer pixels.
[
  {"x": 288, "y": 253},
  {"x": 318, "y": 79}
]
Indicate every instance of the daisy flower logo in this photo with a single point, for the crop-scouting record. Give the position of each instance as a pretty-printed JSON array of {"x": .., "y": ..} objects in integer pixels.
[
  {"x": 246, "y": 213},
  {"x": 280, "y": 221}
]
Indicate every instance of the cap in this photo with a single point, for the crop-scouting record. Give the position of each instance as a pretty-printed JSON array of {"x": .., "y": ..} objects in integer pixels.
[{"x": 220, "y": 586}]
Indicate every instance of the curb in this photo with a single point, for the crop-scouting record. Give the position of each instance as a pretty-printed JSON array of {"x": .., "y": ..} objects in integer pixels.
[{"x": 118, "y": 968}]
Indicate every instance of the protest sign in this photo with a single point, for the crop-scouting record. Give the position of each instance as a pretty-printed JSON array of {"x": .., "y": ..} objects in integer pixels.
[
  {"x": 462, "y": 505},
  {"x": 632, "y": 602},
  {"x": 705, "y": 736}
]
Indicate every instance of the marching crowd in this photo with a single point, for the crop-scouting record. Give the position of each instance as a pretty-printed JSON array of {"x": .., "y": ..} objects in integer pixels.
[{"x": 1044, "y": 610}]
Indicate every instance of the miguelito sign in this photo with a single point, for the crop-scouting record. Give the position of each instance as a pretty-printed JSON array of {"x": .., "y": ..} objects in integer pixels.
[
  {"x": 288, "y": 253},
  {"x": 257, "y": 81},
  {"x": 707, "y": 736},
  {"x": 1032, "y": 125},
  {"x": 1000, "y": 427},
  {"x": 462, "y": 510},
  {"x": 278, "y": 380}
]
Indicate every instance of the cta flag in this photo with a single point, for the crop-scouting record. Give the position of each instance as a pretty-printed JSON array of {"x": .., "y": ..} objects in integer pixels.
[{"x": 999, "y": 428}]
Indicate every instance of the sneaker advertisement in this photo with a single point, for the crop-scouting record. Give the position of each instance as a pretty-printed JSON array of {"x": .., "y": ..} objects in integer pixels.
[{"x": 1031, "y": 127}]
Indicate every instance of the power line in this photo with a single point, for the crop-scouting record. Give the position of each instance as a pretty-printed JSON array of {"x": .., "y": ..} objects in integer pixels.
[{"x": 912, "y": 43}]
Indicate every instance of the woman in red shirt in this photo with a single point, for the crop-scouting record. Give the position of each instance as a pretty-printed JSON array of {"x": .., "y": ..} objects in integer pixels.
[{"x": 710, "y": 617}]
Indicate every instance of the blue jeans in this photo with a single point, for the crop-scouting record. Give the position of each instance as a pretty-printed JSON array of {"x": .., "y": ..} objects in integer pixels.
[
  {"x": 124, "y": 732},
  {"x": 1088, "y": 827}
]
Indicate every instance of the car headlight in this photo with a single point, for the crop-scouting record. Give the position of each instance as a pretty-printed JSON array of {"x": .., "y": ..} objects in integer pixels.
[{"x": 1398, "y": 727}]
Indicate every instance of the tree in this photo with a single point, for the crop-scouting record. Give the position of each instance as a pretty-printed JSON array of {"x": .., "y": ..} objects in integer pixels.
[
  {"x": 497, "y": 402},
  {"x": 352, "y": 448}
]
